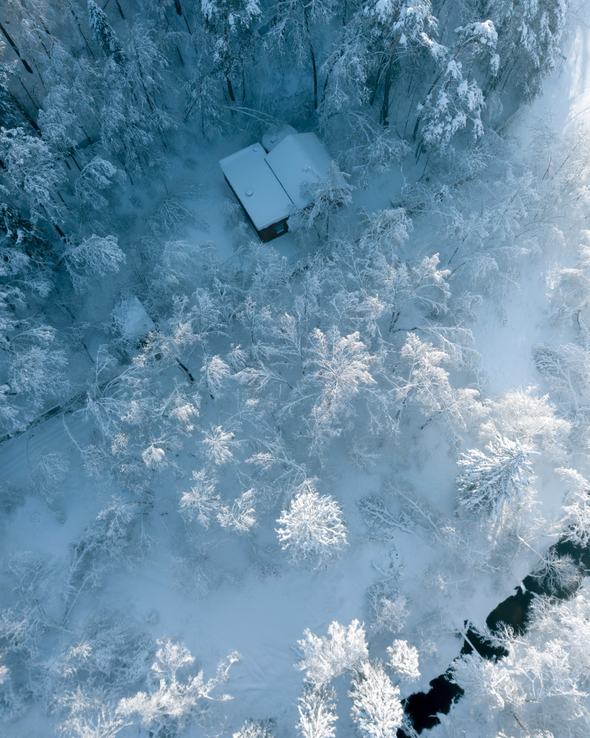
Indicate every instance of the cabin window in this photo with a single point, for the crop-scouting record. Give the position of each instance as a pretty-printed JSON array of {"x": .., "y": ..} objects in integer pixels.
[{"x": 280, "y": 228}]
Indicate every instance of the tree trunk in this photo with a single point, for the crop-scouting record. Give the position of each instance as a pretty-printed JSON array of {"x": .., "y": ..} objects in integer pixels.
[
  {"x": 178, "y": 8},
  {"x": 230, "y": 90},
  {"x": 313, "y": 61},
  {"x": 387, "y": 84},
  {"x": 315, "y": 77},
  {"x": 376, "y": 87},
  {"x": 25, "y": 113},
  {"x": 79, "y": 27},
  {"x": 59, "y": 230},
  {"x": 185, "y": 370},
  {"x": 35, "y": 103}
]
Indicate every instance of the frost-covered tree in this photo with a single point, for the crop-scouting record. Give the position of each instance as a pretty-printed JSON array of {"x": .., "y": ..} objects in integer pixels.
[
  {"x": 317, "y": 712},
  {"x": 92, "y": 257},
  {"x": 376, "y": 708},
  {"x": 394, "y": 27},
  {"x": 33, "y": 175},
  {"x": 429, "y": 385},
  {"x": 109, "y": 653},
  {"x": 143, "y": 75},
  {"x": 59, "y": 120},
  {"x": 172, "y": 701},
  {"x": 405, "y": 287},
  {"x": 103, "y": 33},
  {"x": 576, "y": 507},
  {"x": 93, "y": 187},
  {"x": 48, "y": 475},
  {"x": 339, "y": 366},
  {"x": 218, "y": 445},
  {"x": 490, "y": 482},
  {"x": 531, "y": 418},
  {"x": 256, "y": 729},
  {"x": 240, "y": 516},
  {"x": 558, "y": 575},
  {"x": 567, "y": 371},
  {"x": 231, "y": 25},
  {"x": 107, "y": 542},
  {"x": 540, "y": 686},
  {"x": 450, "y": 107},
  {"x": 328, "y": 657},
  {"x": 403, "y": 659},
  {"x": 386, "y": 232},
  {"x": 32, "y": 356},
  {"x": 294, "y": 28},
  {"x": 205, "y": 102},
  {"x": 68, "y": 115},
  {"x": 455, "y": 99},
  {"x": 215, "y": 374},
  {"x": 90, "y": 714},
  {"x": 312, "y": 529},
  {"x": 325, "y": 196},
  {"x": 570, "y": 297},
  {"x": 529, "y": 33},
  {"x": 82, "y": 682},
  {"x": 22, "y": 626},
  {"x": 202, "y": 501}
]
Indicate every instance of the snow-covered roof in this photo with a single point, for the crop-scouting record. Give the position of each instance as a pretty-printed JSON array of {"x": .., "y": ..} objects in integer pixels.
[
  {"x": 255, "y": 185},
  {"x": 299, "y": 158},
  {"x": 274, "y": 135}
]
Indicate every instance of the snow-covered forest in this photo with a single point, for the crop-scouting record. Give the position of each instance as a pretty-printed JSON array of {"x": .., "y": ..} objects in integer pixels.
[{"x": 267, "y": 490}]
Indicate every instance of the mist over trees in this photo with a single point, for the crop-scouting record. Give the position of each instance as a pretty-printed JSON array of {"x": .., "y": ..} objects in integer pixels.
[{"x": 227, "y": 409}]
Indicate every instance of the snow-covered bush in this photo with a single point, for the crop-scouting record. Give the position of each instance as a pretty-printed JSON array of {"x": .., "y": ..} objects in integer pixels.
[{"x": 312, "y": 529}]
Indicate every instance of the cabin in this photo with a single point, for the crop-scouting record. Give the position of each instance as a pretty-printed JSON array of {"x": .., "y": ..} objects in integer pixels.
[{"x": 272, "y": 178}]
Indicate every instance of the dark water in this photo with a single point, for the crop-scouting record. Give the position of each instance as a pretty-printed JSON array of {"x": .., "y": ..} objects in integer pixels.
[{"x": 423, "y": 707}]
